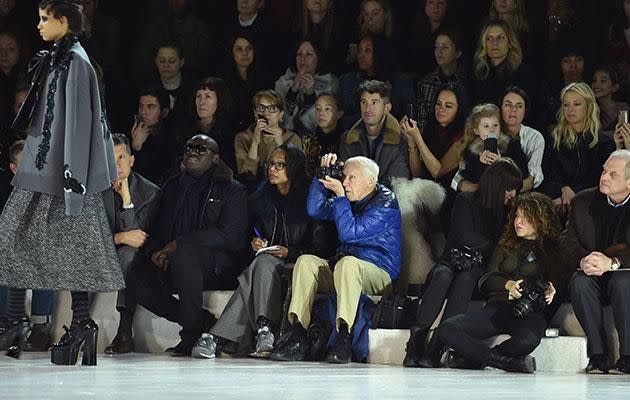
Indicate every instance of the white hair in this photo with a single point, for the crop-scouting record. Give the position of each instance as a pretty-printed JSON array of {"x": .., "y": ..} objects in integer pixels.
[
  {"x": 625, "y": 156},
  {"x": 366, "y": 164}
]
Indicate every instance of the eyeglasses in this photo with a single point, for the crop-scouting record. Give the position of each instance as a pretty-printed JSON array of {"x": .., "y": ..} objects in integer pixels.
[
  {"x": 517, "y": 106},
  {"x": 272, "y": 108},
  {"x": 278, "y": 166},
  {"x": 197, "y": 148}
]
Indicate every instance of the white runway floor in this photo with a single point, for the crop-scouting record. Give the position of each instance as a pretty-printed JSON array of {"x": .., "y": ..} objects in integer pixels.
[{"x": 156, "y": 377}]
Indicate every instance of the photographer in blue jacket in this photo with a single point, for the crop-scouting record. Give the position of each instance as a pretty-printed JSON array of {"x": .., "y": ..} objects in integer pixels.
[{"x": 367, "y": 261}]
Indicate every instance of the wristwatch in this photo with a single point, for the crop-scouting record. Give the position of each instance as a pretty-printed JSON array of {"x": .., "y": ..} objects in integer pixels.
[{"x": 615, "y": 265}]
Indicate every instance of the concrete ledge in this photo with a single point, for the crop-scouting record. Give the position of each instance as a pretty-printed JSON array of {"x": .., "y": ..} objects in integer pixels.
[{"x": 153, "y": 334}]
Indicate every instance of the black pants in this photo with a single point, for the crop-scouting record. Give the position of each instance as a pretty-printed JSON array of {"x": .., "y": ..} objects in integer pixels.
[
  {"x": 466, "y": 333},
  {"x": 443, "y": 283},
  {"x": 192, "y": 269},
  {"x": 589, "y": 294}
]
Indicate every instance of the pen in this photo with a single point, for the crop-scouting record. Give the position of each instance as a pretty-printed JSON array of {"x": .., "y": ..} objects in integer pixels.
[{"x": 258, "y": 233}]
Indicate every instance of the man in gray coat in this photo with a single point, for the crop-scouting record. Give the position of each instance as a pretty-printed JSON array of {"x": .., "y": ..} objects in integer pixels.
[
  {"x": 131, "y": 206},
  {"x": 377, "y": 135}
]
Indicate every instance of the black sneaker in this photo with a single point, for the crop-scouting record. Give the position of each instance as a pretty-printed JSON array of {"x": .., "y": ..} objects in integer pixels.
[
  {"x": 621, "y": 367},
  {"x": 597, "y": 364}
]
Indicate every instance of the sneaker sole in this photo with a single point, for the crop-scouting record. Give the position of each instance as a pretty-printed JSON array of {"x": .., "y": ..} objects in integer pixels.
[{"x": 201, "y": 354}]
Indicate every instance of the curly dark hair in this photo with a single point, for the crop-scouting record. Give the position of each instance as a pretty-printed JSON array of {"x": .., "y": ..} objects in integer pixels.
[{"x": 539, "y": 210}]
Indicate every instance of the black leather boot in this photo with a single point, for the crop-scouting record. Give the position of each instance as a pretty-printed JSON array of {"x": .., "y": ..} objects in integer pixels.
[
  {"x": 415, "y": 347},
  {"x": 39, "y": 339},
  {"x": 432, "y": 357},
  {"x": 526, "y": 365},
  {"x": 341, "y": 353},
  {"x": 13, "y": 337},
  {"x": 292, "y": 346}
]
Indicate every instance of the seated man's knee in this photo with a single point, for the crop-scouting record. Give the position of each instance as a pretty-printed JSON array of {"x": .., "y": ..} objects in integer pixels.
[
  {"x": 264, "y": 263},
  {"x": 579, "y": 282},
  {"x": 347, "y": 265}
]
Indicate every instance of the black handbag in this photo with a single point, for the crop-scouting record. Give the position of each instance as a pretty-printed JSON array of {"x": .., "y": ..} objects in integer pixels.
[{"x": 394, "y": 311}]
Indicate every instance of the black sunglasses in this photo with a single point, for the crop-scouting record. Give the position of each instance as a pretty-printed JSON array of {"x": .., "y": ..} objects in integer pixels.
[{"x": 197, "y": 148}]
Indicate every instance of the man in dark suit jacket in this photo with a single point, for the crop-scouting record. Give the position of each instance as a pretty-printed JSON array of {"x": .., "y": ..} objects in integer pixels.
[
  {"x": 131, "y": 206},
  {"x": 598, "y": 235}
]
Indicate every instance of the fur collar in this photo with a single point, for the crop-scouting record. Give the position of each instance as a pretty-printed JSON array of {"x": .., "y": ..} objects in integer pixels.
[{"x": 391, "y": 131}]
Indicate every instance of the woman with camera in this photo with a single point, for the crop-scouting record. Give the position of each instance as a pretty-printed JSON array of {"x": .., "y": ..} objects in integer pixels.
[
  {"x": 520, "y": 285},
  {"x": 477, "y": 220}
]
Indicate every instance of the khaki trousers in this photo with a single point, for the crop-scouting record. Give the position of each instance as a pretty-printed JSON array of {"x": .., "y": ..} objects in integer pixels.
[{"x": 351, "y": 277}]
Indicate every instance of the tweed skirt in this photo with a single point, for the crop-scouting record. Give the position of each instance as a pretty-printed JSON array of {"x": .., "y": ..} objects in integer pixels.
[{"x": 42, "y": 248}]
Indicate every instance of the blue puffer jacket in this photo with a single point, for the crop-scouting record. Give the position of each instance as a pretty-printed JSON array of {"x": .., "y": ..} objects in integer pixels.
[{"x": 368, "y": 229}]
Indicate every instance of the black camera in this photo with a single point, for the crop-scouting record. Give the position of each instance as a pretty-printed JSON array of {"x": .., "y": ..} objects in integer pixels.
[
  {"x": 532, "y": 298},
  {"x": 464, "y": 259},
  {"x": 335, "y": 171}
]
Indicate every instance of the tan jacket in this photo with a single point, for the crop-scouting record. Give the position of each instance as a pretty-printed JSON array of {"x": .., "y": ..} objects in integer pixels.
[{"x": 243, "y": 141}]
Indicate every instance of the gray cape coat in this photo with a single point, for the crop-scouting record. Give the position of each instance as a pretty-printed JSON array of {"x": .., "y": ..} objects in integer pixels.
[{"x": 79, "y": 136}]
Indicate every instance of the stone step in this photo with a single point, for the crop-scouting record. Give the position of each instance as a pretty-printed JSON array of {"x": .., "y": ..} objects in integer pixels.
[{"x": 559, "y": 354}]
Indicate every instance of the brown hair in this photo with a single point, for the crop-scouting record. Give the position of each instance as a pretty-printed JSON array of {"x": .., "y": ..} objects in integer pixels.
[{"x": 539, "y": 210}]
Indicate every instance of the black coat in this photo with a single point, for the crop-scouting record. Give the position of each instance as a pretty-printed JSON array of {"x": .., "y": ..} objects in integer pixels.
[
  {"x": 222, "y": 223},
  {"x": 579, "y": 168}
]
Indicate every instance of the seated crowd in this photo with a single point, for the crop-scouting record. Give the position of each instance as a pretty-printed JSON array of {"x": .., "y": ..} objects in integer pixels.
[{"x": 285, "y": 194}]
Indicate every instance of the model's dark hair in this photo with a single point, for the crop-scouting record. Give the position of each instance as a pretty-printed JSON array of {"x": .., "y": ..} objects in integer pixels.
[
  {"x": 71, "y": 9},
  {"x": 219, "y": 87},
  {"x": 501, "y": 176},
  {"x": 384, "y": 89},
  {"x": 295, "y": 159},
  {"x": 16, "y": 148},
  {"x": 159, "y": 93},
  {"x": 119, "y": 138}
]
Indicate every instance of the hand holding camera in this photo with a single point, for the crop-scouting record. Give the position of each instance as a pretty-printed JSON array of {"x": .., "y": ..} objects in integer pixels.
[
  {"x": 330, "y": 174},
  {"x": 533, "y": 296}
]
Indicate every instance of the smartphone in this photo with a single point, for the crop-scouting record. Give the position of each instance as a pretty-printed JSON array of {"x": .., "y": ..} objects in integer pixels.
[
  {"x": 490, "y": 143},
  {"x": 411, "y": 114},
  {"x": 623, "y": 117},
  {"x": 261, "y": 117},
  {"x": 137, "y": 119}
]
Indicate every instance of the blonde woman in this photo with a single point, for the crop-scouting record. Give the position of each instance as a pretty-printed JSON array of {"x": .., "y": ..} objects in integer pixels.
[
  {"x": 514, "y": 13},
  {"x": 498, "y": 63},
  {"x": 575, "y": 151}
]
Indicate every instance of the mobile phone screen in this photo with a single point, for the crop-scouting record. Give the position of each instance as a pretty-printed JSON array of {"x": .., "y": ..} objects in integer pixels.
[{"x": 490, "y": 144}]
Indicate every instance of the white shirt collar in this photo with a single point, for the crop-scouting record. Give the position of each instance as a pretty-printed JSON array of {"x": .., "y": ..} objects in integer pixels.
[
  {"x": 248, "y": 22},
  {"x": 623, "y": 203}
]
